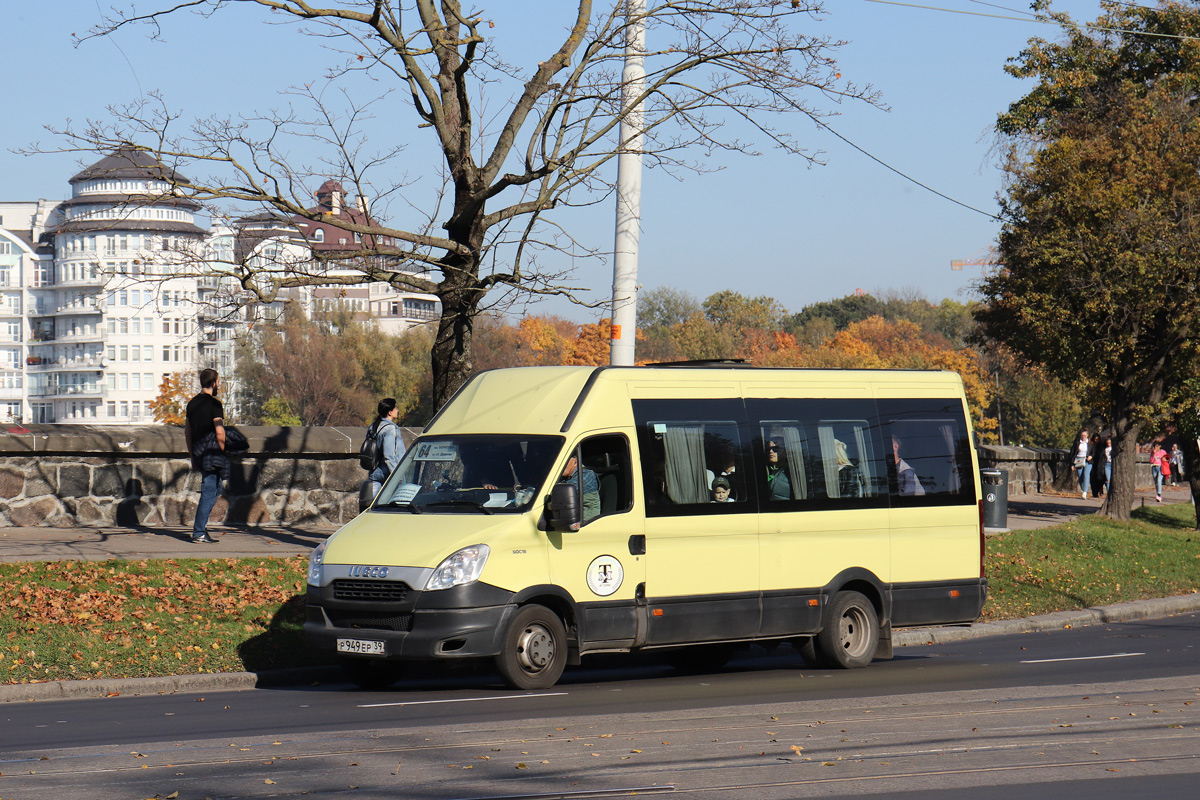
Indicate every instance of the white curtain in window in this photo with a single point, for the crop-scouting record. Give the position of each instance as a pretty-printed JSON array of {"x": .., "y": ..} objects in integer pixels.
[
  {"x": 795, "y": 462},
  {"x": 947, "y": 431},
  {"x": 864, "y": 460},
  {"x": 687, "y": 479},
  {"x": 829, "y": 460}
]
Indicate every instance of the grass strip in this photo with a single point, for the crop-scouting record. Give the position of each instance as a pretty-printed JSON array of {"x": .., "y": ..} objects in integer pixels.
[
  {"x": 1093, "y": 561},
  {"x": 64, "y": 620}
]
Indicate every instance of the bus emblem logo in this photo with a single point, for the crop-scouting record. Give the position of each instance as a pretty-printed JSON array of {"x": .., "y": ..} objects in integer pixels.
[{"x": 605, "y": 575}]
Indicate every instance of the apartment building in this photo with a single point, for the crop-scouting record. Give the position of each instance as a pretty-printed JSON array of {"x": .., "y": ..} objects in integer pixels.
[{"x": 106, "y": 293}]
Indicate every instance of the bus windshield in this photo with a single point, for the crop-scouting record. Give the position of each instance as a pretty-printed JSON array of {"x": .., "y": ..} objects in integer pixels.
[{"x": 470, "y": 474}]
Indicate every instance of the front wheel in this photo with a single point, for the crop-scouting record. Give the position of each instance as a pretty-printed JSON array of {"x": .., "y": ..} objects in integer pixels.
[
  {"x": 534, "y": 651},
  {"x": 851, "y": 633}
]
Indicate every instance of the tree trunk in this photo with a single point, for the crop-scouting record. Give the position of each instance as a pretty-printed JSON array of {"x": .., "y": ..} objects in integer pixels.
[
  {"x": 1118, "y": 504},
  {"x": 451, "y": 354},
  {"x": 1191, "y": 467}
]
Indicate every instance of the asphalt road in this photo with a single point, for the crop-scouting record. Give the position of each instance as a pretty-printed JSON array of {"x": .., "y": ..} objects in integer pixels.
[{"x": 1065, "y": 714}]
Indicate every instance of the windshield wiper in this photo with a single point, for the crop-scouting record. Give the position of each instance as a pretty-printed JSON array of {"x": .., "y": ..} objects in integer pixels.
[
  {"x": 460, "y": 502},
  {"x": 413, "y": 507}
]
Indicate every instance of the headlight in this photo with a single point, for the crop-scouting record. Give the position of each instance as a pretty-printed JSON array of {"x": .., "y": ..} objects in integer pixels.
[
  {"x": 462, "y": 567},
  {"x": 315, "y": 562}
]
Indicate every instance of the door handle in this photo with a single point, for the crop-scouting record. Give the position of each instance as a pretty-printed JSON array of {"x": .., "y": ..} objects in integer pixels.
[{"x": 637, "y": 545}]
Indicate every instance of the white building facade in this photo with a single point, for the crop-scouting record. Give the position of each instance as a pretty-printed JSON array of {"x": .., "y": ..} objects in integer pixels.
[{"x": 104, "y": 295}]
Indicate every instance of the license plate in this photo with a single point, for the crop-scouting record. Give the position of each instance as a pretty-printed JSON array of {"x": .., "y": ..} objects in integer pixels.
[{"x": 361, "y": 646}]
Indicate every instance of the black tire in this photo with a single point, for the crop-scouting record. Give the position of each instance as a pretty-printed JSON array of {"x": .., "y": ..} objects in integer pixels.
[
  {"x": 371, "y": 674},
  {"x": 808, "y": 651},
  {"x": 534, "y": 651},
  {"x": 700, "y": 658},
  {"x": 851, "y": 632}
]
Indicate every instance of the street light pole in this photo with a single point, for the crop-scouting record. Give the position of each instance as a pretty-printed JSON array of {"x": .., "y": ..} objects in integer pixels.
[{"x": 629, "y": 189}]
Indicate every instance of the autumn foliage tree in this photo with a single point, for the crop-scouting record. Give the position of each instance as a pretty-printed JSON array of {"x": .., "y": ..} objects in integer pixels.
[
  {"x": 174, "y": 392},
  {"x": 729, "y": 325},
  {"x": 332, "y": 370},
  {"x": 1101, "y": 233}
]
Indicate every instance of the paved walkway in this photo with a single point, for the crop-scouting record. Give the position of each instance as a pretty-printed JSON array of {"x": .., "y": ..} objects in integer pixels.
[
  {"x": 100, "y": 544},
  {"x": 1025, "y": 512},
  {"x": 1032, "y": 511}
]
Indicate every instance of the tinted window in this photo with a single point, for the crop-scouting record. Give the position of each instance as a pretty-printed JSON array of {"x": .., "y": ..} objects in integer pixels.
[
  {"x": 819, "y": 454},
  {"x": 929, "y": 456},
  {"x": 693, "y": 456}
]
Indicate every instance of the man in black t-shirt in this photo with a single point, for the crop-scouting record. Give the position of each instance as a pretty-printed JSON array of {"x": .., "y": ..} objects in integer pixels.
[{"x": 205, "y": 427}]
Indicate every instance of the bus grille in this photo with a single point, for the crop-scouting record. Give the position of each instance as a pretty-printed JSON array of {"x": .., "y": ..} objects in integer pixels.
[
  {"x": 367, "y": 620},
  {"x": 386, "y": 591}
]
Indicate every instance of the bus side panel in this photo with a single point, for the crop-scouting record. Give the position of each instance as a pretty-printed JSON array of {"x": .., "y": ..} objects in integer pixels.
[
  {"x": 702, "y": 578},
  {"x": 803, "y": 550}
]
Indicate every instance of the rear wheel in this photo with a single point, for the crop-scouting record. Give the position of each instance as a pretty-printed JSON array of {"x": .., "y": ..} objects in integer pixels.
[
  {"x": 372, "y": 674},
  {"x": 534, "y": 652},
  {"x": 808, "y": 651},
  {"x": 851, "y": 632}
]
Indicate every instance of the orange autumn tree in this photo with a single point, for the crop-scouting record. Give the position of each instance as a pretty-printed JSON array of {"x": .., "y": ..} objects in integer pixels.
[
  {"x": 877, "y": 343},
  {"x": 176, "y": 389},
  {"x": 591, "y": 346}
]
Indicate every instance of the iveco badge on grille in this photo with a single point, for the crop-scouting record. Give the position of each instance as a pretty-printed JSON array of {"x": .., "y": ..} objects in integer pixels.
[{"x": 368, "y": 572}]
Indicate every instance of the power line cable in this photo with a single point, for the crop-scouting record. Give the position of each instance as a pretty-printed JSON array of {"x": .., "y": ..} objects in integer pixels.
[
  {"x": 906, "y": 177},
  {"x": 1088, "y": 25}
]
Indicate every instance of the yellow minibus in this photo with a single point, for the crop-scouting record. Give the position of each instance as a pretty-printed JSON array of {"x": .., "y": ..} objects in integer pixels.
[{"x": 547, "y": 513}]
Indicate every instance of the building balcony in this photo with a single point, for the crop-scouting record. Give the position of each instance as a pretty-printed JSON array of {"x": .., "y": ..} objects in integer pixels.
[
  {"x": 94, "y": 306},
  {"x": 80, "y": 337},
  {"x": 69, "y": 390},
  {"x": 97, "y": 280},
  {"x": 11, "y": 338},
  {"x": 39, "y": 364}
]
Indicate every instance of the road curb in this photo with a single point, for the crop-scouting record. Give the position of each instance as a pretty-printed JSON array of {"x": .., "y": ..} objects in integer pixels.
[
  {"x": 1097, "y": 615},
  {"x": 165, "y": 684},
  {"x": 910, "y": 637}
]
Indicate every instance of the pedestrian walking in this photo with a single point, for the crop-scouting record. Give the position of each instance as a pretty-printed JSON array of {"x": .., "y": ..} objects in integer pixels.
[
  {"x": 204, "y": 432},
  {"x": 1176, "y": 465},
  {"x": 1107, "y": 464},
  {"x": 389, "y": 444},
  {"x": 1082, "y": 463},
  {"x": 1158, "y": 457}
]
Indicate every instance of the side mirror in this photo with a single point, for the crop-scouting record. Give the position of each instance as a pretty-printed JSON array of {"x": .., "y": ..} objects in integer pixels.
[{"x": 563, "y": 511}]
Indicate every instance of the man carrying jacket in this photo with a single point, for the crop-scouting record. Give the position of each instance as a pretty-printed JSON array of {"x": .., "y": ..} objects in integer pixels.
[{"x": 205, "y": 416}]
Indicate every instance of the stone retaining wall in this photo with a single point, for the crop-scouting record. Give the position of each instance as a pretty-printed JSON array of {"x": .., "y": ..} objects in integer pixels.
[
  {"x": 66, "y": 476},
  {"x": 1033, "y": 469},
  {"x": 71, "y": 475}
]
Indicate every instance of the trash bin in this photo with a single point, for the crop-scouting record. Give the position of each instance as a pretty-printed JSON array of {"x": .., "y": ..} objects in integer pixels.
[{"x": 995, "y": 498}]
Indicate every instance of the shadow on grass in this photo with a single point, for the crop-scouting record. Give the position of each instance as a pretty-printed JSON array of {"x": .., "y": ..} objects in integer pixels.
[
  {"x": 281, "y": 645},
  {"x": 1173, "y": 517}
]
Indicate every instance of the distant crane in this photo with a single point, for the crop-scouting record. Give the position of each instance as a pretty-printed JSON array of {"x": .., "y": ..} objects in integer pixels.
[{"x": 981, "y": 258}]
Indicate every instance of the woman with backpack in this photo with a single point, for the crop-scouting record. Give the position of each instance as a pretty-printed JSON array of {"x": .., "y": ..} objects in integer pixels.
[{"x": 386, "y": 452}]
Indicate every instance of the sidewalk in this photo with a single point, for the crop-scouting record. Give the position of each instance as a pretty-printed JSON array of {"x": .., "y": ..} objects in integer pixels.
[
  {"x": 1031, "y": 511},
  {"x": 1025, "y": 512},
  {"x": 134, "y": 544}
]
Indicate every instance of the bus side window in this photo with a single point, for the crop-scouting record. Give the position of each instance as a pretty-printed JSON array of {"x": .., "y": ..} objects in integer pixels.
[
  {"x": 607, "y": 457},
  {"x": 928, "y": 451}
]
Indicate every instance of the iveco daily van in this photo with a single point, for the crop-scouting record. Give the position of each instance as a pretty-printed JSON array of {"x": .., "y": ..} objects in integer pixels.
[{"x": 551, "y": 512}]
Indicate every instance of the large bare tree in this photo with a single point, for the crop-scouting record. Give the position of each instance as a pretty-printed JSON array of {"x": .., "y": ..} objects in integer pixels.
[{"x": 716, "y": 70}]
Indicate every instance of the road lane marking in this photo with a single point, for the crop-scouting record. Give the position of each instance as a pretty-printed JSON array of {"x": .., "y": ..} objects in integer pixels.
[
  {"x": 461, "y": 700},
  {"x": 1082, "y": 658}
]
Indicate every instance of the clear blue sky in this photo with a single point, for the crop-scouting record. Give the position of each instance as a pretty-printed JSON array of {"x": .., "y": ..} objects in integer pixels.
[{"x": 766, "y": 225}]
